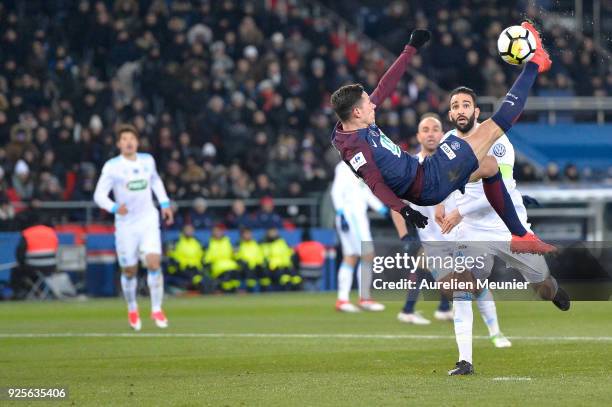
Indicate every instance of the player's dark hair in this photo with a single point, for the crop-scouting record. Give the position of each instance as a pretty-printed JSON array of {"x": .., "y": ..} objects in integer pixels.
[
  {"x": 465, "y": 90},
  {"x": 344, "y": 100},
  {"x": 126, "y": 128}
]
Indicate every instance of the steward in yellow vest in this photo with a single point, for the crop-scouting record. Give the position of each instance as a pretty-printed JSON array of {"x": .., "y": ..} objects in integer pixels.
[
  {"x": 186, "y": 261},
  {"x": 219, "y": 258},
  {"x": 252, "y": 263},
  {"x": 279, "y": 258}
]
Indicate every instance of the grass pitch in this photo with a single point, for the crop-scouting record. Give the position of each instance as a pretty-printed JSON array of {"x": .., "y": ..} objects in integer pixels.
[{"x": 294, "y": 349}]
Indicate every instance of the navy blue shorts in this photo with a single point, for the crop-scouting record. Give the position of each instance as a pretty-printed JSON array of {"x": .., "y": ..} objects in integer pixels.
[{"x": 447, "y": 170}]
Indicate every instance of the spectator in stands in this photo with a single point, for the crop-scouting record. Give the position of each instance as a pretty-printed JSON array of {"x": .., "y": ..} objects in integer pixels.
[
  {"x": 86, "y": 183},
  {"x": 313, "y": 173},
  {"x": 20, "y": 139},
  {"x": 238, "y": 217},
  {"x": 266, "y": 217},
  {"x": 22, "y": 181},
  {"x": 7, "y": 211},
  {"x": 199, "y": 218},
  {"x": 263, "y": 186},
  {"x": 257, "y": 155},
  {"x": 571, "y": 173},
  {"x": 201, "y": 81},
  {"x": 525, "y": 172},
  {"x": 552, "y": 173}
]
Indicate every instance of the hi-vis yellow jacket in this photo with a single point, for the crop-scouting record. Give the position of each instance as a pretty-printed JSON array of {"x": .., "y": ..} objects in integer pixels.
[
  {"x": 220, "y": 256},
  {"x": 250, "y": 252},
  {"x": 277, "y": 253}
]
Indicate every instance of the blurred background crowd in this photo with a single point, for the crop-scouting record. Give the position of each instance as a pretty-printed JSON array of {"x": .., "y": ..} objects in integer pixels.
[{"x": 232, "y": 97}]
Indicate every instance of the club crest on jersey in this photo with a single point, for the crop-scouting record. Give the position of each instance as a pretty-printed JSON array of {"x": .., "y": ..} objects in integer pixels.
[
  {"x": 499, "y": 150},
  {"x": 358, "y": 161},
  {"x": 455, "y": 145},
  {"x": 448, "y": 151},
  {"x": 137, "y": 185}
]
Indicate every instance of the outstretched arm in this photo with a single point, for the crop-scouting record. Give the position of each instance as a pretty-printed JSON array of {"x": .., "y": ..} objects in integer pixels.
[{"x": 389, "y": 80}]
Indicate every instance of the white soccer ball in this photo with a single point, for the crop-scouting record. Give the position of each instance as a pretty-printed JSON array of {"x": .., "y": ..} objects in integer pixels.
[{"x": 516, "y": 45}]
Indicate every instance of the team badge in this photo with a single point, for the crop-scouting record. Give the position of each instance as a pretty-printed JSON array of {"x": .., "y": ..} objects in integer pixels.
[
  {"x": 499, "y": 150},
  {"x": 455, "y": 145}
]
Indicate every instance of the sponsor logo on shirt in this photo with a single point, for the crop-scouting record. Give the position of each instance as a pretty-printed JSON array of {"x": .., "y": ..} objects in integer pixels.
[
  {"x": 358, "y": 161},
  {"x": 455, "y": 145},
  {"x": 448, "y": 151},
  {"x": 390, "y": 145},
  {"x": 137, "y": 185},
  {"x": 499, "y": 150}
]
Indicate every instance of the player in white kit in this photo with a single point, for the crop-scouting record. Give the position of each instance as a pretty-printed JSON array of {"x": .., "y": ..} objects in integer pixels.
[
  {"x": 351, "y": 199},
  {"x": 132, "y": 177},
  {"x": 475, "y": 222},
  {"x": 437, "y": 244}
]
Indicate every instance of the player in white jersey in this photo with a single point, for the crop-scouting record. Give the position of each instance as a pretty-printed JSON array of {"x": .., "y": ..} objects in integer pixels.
[
  {"x": 477, "y": 223},
  {"x": 437, "y": 244},
  {"x": 132, "y": 177},
  {"x": 351, "y": 198}
]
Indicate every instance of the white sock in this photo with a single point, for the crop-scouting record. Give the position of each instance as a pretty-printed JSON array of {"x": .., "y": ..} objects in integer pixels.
[
  {"x": 345, "y": 281},
  {"x": 155, "y": 281},
  {"x": 487, "y": 309},
  {"x": 128, "y": 286},
  {"x": 364, "y": 279},
  {"x": 463, "y": 321}
]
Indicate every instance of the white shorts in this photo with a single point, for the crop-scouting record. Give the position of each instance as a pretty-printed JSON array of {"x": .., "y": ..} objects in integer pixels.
[
  {"x": 359, "y": 231},
  {"x": 436, "y": 252},
  {"x": 497, "y": 243},
  {"x": 134, "y": 240}
]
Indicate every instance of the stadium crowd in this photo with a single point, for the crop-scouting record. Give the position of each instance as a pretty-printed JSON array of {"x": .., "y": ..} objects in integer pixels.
[
  {"x": 231, "y": 97},
  {"x": 464, "y": 51}
]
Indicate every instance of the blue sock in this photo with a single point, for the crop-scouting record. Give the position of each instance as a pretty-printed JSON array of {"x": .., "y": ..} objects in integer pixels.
[
  {"x": 514, "y": 102},
  {"x": 409, "y": 306},
  {"x": 444, "y": 304},
  {"x": 411, "y": 300},
  {"x": 499, "y": 198}
]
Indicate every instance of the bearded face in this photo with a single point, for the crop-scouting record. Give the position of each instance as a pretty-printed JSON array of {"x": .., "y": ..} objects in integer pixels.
[
  {"x": 463, "y": 112},
  {"x": 464, "y": 124}
]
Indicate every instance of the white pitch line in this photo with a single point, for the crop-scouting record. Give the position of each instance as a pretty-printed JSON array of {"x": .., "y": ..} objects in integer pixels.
[
  {"x": 511, "y": 379},
  {"x": 287, "y": 335}
]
